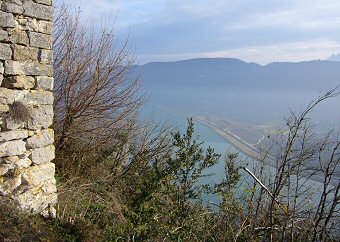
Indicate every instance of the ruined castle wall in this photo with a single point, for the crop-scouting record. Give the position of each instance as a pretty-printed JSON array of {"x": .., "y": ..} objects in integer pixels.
[{"x": 26, "y": 104}]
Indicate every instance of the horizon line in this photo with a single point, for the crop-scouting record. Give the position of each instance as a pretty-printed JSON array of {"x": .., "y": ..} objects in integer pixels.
[{"x": 233, "y": 58}]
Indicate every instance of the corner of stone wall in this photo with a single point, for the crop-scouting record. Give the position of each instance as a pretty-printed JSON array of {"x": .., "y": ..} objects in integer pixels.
[{"x": 26, "y": 105}]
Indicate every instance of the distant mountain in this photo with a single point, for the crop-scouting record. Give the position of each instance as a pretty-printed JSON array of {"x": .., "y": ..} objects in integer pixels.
[
  {"x": 334, "y": 57},
  {"x": 235, "y": 73}
]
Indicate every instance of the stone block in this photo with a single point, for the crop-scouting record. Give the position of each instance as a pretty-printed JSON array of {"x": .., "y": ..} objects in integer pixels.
[
  {"x": 11, "y": 148},
  {"x": 5, "y": 51},
  {"x": 23, "y": 163},
  {"x": 13, "y": 135},
  {"x": 25, "y": 53},
  {"x": 42, "y": 155},
  {"x": 39, "y": 11},
  {"x": 40, "y": 139},
  {"x": 35, "y": 200},
  {"x": 46, "y": 57},
  {"x": 40, "y": 40},
  {"x": 38, "y": 97},
  {"x": 7, "y": 20},
  {"x": 3, "y": 35},
  {"x": 18, "y": 37},
  {"x": 13, "y": 7},
  {"x": 37, "y": 175},
  {"x": 28, "y": 24},
  {"x": 45, "y": 83},
  {"x": 32, "y": 24},
  {"x": 49, "y": 187},
  {"x": 28, "y": 68},
  {"x": 42, "y": 117},
  {"x": 45, "y": 27},
  {"x": 12, "y": 124},
  {"x": 6, "y": 96},
  {"x": 20, "y": 95},
  {"x": 19, "y": 82}
]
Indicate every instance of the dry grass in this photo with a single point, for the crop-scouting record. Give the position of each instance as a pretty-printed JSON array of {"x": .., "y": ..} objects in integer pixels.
[
  {"x": 19, "y": 112},
  {"x": 18, "y": 226}
]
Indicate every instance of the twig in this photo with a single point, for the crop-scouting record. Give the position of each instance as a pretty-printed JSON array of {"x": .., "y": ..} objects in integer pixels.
[{"x": 264, "y": 187}]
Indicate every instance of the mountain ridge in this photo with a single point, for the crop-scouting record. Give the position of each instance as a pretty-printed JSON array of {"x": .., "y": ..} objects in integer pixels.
[{"x": 235, "y": 73}]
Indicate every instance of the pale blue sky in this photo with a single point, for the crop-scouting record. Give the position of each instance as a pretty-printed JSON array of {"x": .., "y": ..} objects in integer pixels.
[{"x": 261, "y": 31}]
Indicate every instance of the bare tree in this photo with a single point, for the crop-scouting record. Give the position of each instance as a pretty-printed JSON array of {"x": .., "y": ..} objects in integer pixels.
[
  {"x": 298, "y": 198},
  {"x": 96, "y": 94},
  {"x": 301, "y": 148}
]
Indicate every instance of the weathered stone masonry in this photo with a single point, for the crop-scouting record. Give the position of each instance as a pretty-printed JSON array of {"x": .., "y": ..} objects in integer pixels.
[{"x": 26, "y": 105}]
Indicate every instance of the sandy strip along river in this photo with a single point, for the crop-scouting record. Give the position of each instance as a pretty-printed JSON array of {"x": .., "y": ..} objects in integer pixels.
[{"x": 237, "y": 142}]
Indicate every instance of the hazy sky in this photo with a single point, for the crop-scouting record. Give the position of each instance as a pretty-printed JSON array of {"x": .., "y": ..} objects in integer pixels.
[{"x": 261, "y": 31}]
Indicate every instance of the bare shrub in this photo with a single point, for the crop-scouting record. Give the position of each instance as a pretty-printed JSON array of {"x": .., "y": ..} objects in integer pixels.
[
  {"x": 299, "y": 199},
  {"x": 96, "y": 96},
  {"x": 97, "y": 102}
]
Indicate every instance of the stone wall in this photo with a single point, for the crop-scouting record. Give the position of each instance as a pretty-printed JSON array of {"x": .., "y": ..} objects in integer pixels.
[{"x": 26, "y": 105}]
